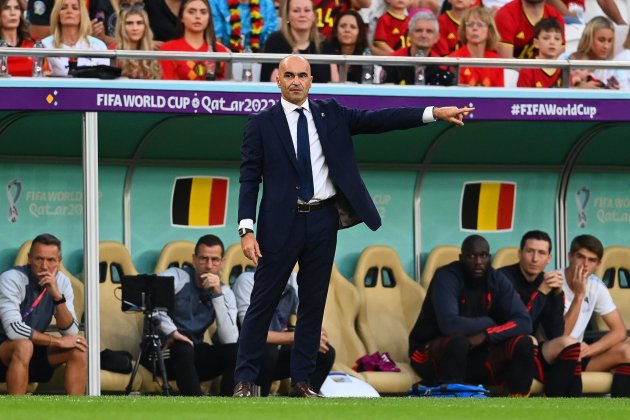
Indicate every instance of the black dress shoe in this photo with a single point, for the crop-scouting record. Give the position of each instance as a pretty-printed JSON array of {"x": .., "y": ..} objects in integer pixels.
[
  {"x": 244, "y": 389},
  {"x": 303, "y": 390}
]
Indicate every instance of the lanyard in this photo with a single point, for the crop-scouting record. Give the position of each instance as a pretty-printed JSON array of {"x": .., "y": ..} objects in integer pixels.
[{"x": 30, "y": 310}]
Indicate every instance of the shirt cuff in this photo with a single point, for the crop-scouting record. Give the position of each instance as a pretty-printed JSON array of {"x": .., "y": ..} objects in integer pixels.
[
  {"x": 246, "y": 224},
  {"x": 427, "y": 115}
]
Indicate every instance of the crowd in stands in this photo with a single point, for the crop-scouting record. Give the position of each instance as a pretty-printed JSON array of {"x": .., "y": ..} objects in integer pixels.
[{"x": 487, "y": 29}]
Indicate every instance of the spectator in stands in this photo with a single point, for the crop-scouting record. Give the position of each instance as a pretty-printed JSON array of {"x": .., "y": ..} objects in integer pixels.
[
  {"x": 276, "y": 358},
  {"x": 478, "y": 38},
  {"x": 449, "y": 27},
  {"x": 597, "y": 42},
  {"x": 70, "y": 27},
  {"x": 548, "y": 43},
  {"x": 515, "y": 23},
  {"x": 624, "y": 55},
  {"x": 349, "y": 37},
  {"x": 391, "y": 29},
  {"x": 195, "y": 34},
  {"x": 423, "y": 35},
  {"x": 200, "y": 300},
  {"x": 14, "y": 32},
  {"x": 250, "y": 21},
  {"x": 473, "y": 327},
  {"x": 134, "y": 33},
  {"x": 298, "y": 34},
  {"x": 103, "y": 14},
  {"x": 558, "y": 354},
  {"x": 39, "y": 17},
  {"x": 30, "y": 296},
  {"x": 163, "y": 18},
  {"x": 585, "y": 295},
  {"x": 328, "y": 11}
]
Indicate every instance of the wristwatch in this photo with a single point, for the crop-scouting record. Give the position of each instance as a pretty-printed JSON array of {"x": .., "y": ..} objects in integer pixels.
[
  {"x": 60, "y": 301},
  {"x": 244, "y": 231}
]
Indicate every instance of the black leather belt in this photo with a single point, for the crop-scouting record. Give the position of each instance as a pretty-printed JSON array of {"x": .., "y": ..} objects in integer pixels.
[{"x": 318, "y": 205}]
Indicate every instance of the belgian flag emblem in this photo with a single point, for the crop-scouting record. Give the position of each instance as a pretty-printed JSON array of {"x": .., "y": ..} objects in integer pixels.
[
  {"x": 488, "y": 206},
  {"x": 199, "y": 202}
]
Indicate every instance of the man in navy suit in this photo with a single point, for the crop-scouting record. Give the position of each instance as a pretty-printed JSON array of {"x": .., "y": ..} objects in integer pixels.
[{"x": 303, "y": 151}]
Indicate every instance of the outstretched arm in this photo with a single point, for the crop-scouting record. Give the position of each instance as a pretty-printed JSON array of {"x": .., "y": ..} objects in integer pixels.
[
  {"x": 451, "y": 114},
  {"x": 612, "y": 11}
]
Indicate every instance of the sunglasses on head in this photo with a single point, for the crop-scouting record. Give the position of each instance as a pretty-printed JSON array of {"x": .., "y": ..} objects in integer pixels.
[{"x": 132, "y": 6}]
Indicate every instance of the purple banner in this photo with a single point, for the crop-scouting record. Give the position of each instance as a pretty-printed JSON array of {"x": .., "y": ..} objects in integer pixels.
[{"x": 244, "y": 103}]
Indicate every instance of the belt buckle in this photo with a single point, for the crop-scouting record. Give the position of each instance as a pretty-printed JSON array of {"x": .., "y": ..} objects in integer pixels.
[{"x": 303, "y": 208}]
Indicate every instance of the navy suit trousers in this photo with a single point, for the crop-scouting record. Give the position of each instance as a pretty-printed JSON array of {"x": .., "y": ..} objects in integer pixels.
[{"x": 312, "y": 244}]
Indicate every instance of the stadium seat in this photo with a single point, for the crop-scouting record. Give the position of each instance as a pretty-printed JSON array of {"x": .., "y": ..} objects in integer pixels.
[
  {"x": 119, "y": 330},
  {"x": 439, "y": 256},
  {"x": 340, "y": 316},
  {"x": 505, "y": 256},
  {"x": 390, "y": 304},
  {"x": 614, "y": 269},
  {"x": 175, "y": 254},
  {"x": 235, "y": 263},
  {"x": 56, "y": 382},
  {"x": 22, "y": 259},
  {"x": 510, "y": 77},
  {"x": 596, "y": 382}
]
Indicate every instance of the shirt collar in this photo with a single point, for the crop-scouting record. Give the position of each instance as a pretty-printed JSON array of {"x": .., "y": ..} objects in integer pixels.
[{"x": 289, "y": 107}]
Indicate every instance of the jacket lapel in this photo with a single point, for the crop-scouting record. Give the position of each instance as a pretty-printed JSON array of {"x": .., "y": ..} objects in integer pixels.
[
  {"x": 319, "y": 118},
  {"x": 282, "y": 128}
]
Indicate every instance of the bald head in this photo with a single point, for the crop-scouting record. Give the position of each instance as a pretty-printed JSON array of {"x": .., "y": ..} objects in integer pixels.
[
  {"x": 294, "y": 60},
  {"x": 294, "y": 78}
]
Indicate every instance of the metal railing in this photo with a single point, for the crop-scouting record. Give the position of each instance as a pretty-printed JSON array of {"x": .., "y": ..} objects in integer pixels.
[{"x": 341, "y": 60}]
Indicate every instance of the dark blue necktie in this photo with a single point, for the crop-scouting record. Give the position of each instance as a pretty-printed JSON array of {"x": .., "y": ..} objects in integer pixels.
[{"x": 304, "y": 158}]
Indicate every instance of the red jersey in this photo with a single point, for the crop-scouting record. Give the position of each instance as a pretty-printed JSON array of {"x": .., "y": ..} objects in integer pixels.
[
  {"x": 479, "y": 76},
  {"x": 188, "y": 69},
  {"x": 327, "y": 12},
  {"x": 392, "y": 30},
  {"x": 21, "y": 66},
  {"x": 449, "y": 41},
  {"x": 516, "y": 30},
  {"x": 540, "y": 78}
]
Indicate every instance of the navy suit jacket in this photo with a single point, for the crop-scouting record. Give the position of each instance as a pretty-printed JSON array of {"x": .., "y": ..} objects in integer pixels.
[{"x": 268, "y": 156}]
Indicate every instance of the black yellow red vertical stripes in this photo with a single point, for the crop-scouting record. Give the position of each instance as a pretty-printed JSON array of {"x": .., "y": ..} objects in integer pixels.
[
  {"x": 488, "y": 206},
  {"x": 199, "y": 201}
]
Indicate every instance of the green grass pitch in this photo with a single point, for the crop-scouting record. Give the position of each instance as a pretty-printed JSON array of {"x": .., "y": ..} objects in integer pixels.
[{"x": 152, "y": 407}]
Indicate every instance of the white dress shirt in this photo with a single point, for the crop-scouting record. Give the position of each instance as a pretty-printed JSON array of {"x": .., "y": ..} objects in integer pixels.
[{"x": 322, "y": 185}]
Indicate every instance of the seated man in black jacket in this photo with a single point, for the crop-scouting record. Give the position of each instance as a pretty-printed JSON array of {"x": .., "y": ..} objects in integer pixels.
[
  {"x": 558, "y": 365},
  {"x": 473, "y": 327}
]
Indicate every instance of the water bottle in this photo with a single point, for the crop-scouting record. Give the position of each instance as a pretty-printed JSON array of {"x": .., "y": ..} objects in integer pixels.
[
  {"x": 419, "y": 75},
  {"x": 4, "y": 61},
  {"x": 367, "y": 71},
  {"x": 211, "y": 68},
  {"x": 38, "y": 62},
  {"x": 248, "y": 74},
  {"x": 73, "y": 64}
]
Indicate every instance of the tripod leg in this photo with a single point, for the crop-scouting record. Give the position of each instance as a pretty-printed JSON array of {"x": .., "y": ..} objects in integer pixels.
[
  {"x": 143, "y": 349},
  {"x": 157, "y": 346}
]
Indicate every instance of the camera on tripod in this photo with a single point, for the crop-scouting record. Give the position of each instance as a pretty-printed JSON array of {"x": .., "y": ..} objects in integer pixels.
[{"x": 149, "y": 294}]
